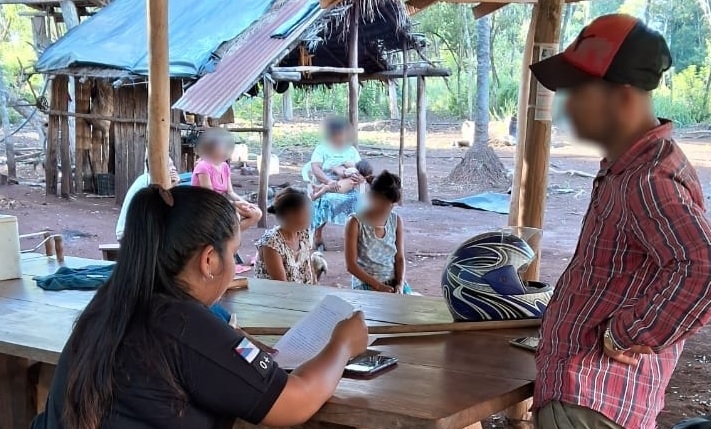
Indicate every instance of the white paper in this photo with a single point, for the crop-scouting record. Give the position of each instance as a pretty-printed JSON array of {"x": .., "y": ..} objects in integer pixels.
[{"x": 311, "y": 334}]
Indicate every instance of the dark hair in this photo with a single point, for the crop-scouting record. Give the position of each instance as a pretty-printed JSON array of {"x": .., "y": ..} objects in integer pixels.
[
  {"x": 365, "y": 169},
  {"x": 288, "y": 200},
  {"x": 336, "y": 125},
  {"x": 164, "y": 230},
  {"x": 211, "y": 139},
  {"x": 387, "y": 185}
]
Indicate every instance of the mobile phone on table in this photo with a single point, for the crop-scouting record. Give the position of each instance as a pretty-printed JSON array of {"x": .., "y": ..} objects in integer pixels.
[
  {"x": 365, "y": 365},
  {"x": 526, "y": 343}
]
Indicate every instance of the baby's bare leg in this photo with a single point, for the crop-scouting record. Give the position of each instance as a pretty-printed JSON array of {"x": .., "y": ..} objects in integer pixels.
[{"x": 345, "y": 186}]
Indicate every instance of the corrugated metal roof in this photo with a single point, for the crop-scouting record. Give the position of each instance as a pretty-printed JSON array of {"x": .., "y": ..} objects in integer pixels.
[{"x": 245, "y": 63}]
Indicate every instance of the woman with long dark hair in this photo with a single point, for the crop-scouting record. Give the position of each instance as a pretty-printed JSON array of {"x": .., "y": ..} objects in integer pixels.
[{"x": 148, "y": 353}]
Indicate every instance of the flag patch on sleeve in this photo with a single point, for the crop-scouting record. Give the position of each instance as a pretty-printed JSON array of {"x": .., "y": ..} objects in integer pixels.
[{"x": 247, "y": 350}]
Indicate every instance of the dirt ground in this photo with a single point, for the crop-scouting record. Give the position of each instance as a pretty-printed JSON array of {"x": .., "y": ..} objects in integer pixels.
[{"x": 432, "y": 232}]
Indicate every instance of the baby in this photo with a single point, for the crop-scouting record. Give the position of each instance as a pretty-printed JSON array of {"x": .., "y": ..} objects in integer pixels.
[{"x": 349, "y": 182}]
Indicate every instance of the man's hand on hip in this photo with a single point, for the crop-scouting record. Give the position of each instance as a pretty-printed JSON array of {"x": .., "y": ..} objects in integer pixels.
[{"x": 627, "y": 357}]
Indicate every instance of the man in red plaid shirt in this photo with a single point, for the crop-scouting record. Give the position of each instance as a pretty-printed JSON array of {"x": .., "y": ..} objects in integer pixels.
[{"x": 639, "y": 282}]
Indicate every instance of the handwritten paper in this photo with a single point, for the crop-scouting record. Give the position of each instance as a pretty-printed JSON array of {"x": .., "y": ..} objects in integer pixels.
[{"x": 311, "y": 334}]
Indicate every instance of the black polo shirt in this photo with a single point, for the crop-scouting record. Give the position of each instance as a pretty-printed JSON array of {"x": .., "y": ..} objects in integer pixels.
[{"x": 222, "y": 376}]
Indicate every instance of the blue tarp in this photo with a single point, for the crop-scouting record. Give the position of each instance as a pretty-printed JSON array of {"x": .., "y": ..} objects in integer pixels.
[
  {"x": 488, "y": 201},
  {"x": 116, "y": 36}
]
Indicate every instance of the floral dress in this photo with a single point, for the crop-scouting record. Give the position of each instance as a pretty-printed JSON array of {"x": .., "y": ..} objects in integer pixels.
[{"x": 297, "y": 263}]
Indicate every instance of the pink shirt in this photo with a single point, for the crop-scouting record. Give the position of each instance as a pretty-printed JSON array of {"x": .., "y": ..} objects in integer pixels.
[{"x": 219, "y": 176}]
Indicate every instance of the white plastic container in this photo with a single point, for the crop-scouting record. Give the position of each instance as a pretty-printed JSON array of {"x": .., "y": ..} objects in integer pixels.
[
  {"x": 273, "y": 164},
  {"x": 9, "y": 248},
  {"x": 241, "y": 153}
]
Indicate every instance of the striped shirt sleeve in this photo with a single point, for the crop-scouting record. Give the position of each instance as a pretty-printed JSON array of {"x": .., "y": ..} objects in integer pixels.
[{"x": 672, "y": 230}]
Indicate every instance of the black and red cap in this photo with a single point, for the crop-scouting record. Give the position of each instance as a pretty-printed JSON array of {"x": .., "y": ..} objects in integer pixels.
[{"x": 616, "y": 48}]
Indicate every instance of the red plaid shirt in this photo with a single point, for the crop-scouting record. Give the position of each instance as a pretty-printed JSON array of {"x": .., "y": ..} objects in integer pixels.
[{"x": 643, "y": 265}]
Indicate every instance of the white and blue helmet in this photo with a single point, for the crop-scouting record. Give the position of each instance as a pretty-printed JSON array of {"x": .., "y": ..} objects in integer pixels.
[{"x": 482, "y": 280}]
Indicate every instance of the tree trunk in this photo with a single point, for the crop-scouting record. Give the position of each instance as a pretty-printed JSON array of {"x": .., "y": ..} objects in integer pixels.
[
  {"x": 566, "y": 20},
  {"x": 287, "y": 105},
  {"x": 469, "y": 66},
  {"x": 9, "y": 146},
  {"x": 647, "y": 3},
  {"x": 481, "y": 168},
  {"x": 392, "y": 96},
  {"x": 483, "y": 68}
]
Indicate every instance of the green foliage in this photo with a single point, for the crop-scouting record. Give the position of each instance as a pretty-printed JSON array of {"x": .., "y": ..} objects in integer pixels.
[
  {"x": 682, "y": 97},
  {"x": 16, "y": 53}
]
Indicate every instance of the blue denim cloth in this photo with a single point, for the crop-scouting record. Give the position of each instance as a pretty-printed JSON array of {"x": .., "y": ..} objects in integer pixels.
[{"x": 87, "y": 278}]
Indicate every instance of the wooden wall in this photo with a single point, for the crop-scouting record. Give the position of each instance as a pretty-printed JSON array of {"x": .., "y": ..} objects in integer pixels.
[{"x": 128, "y": 135}]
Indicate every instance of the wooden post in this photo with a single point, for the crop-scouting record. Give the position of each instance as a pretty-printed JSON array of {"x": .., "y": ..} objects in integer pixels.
[
  {"x": 136, "y": 106},
  {"x": 71, "y": 20},
  {"x": 403, "y": 110},
  {"x": 353, "y": 85},
  {"x": 123, "y": 141},
  {"x": 158, "y": 92},
  {"x": 58, "y": 85},
  {"x": 536, "y": 152},
  {"x": 69, "y": 13},
  {"x": 83, "y": 133},
  {"x": 64, "y": 149},
  {"x": 267, "y": 113},
  {"x": 422, "y": 191},
  {"x": 9, "y": 146},
  {"x": 522, "y": 117},
  {"x": 176, "y": 148},
  {"x": 39, "y": 34},
  {"x": 287, "y": 104}
]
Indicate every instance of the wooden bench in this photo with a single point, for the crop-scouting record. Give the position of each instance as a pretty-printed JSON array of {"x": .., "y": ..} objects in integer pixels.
[{"x": 109, "y": 252}]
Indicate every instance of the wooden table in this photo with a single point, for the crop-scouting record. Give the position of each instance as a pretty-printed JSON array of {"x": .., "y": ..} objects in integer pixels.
[{"x": 443, "y": 381}]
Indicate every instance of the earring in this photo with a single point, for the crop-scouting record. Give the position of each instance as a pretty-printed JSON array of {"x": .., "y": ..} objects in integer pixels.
[{"x": 212, "y": 277}]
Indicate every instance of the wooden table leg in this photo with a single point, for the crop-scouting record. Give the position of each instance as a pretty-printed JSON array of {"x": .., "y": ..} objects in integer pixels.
[
  {"x": 17, "y": 396},
  {"x": 518, "y": 416},
  {"x": 44, "y": 382}
]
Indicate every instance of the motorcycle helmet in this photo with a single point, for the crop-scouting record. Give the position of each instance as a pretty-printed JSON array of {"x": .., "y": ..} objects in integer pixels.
[{"x": 482, "y": 280}]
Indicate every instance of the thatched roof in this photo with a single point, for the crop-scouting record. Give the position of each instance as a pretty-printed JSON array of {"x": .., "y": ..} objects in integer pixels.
[{"x": 384, "y": 27}]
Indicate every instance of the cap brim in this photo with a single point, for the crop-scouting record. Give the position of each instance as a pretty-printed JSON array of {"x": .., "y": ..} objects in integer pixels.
[{"x": 556, "y": 73}]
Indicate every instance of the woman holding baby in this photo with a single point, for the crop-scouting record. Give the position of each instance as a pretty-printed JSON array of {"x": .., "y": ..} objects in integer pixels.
[{"x": 331, "y": 163}]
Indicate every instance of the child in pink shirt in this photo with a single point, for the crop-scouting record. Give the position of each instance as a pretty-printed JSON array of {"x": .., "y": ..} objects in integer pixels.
[{"x": 211, "y": 171}]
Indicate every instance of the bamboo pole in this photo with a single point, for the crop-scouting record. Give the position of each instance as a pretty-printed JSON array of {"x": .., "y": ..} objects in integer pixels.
[
  {"x": 353, "y": 85},
  {"x": 416, "y": 329},
  {"x": 403, "y": 111},
  {"x": 319, "y": 69},
  {"x": 263, "y": 194},
  {"x": 522, "y": 117},
  {"x": 536, "y": 152},
  {"x": 422, "y": 191},
  {"x": 158, "y": 92}
]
